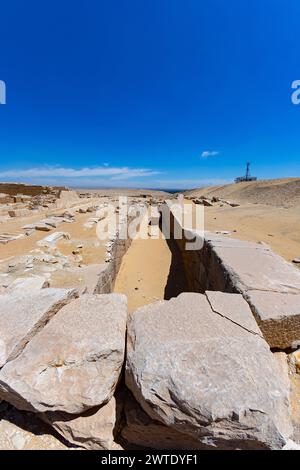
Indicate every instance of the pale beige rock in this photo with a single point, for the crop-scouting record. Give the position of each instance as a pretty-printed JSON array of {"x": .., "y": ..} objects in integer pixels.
[
  {"x": 206, "y": 376},
  {"x": 93, "y": 430},
  {"x": 295, "y": 360},
  {"x": 154, "y": 215},
  {"x": 140, "y": 430},
  {"x": 24, "y": 313},
  {"x": 74, "y": 363},
  {"x": 282, "y": 362},
  {"x": 42, "y": 227},
  {"x": 69, "y": 196},
  {"x": 234, "y": 308},
  {"x": 54, "y": 237},
  {"x": 19, "y": 212},
  {"x": 23, "y": 284},
  {"x": 254, "y": 267},
  {"x": 53, "y": 221},
  {"x": 24, "y": 431},
  {"x": 291, "y": 445}
]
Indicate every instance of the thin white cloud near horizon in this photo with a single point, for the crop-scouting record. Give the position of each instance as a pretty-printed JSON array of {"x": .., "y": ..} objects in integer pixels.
[
  {"x": 114, "y": 173},
  {"x": 105, "y": 177},
  {"x": 209, "y": 153}
]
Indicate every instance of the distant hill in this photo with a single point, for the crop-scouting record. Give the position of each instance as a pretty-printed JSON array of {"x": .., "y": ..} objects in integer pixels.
[{"x": 277, "y": 192}]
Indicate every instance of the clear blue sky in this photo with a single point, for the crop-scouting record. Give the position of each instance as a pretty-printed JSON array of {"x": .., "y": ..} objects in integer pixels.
[{"x": 133, "y": 93}]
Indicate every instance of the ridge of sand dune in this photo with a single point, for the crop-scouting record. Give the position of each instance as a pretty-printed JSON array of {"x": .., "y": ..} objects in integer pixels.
[{"x": 284, "y": 192}]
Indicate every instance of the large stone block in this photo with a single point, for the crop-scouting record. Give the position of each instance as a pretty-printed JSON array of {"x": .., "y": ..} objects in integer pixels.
[
  {"x": 203, "y": 372},
  {"x": 252, "y": 266},
  {"x": 74, "y": 363}
]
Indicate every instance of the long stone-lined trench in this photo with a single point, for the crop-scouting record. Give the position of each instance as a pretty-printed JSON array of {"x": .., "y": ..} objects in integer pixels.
[{"x": 199, "y": 372}]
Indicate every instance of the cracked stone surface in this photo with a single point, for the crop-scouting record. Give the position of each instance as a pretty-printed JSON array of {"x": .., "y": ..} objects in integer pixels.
[
  {"x": 73, "y": 364},
  {"x": 234, "y": 308},
  {"x": 206, "y": 376}
]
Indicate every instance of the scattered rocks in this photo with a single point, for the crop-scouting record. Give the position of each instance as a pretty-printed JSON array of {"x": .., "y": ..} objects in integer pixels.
[{"x": 223, "y": 232}]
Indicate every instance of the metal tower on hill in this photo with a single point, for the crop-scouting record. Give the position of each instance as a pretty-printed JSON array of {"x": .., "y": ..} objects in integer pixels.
[{"x": 247, "y": 176}]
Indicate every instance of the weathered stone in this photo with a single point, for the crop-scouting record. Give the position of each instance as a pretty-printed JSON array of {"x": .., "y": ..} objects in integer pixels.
[
  {"x": 251, "y": 266},
  {"x": 294, "y": 378},
  {"x": 51, "y": 239},
  {"x": 282, "y": 364},
  {"x": 291, "y": 445},
  {"x": 53, "y": 221},
  {"x": 145, "y": 432},
  {"x": 252, "y": 269},
  {"x": 278, "y": 315},
  {"x": 19, "y": 212},
  {"x": 93, "y": 430},
  {"x": 23, "y": 284},
  {"x": 42, "y": 227},
  {"x": 234, "y": 308},
  {"x": 8, "y": 237},
  {"x": 24, "y": 431},
  {"x": 205, "y": 375},
  {"x": 23, "y": 314},
  {"x": 154, "y": 215},
  {"x": 207, "y": 203},
  {"x": 295, "y": 361},
  {"x": 74, "y": 363}
]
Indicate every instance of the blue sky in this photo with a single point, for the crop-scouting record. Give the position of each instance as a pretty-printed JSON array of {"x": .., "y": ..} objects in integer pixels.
[{"x": 151, "y": 93}]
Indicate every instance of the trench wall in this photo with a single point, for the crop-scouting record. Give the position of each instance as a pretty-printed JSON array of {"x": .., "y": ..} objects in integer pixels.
[
  {"x": 204, "y": 270},
  {"x": 107, "y": 276}
]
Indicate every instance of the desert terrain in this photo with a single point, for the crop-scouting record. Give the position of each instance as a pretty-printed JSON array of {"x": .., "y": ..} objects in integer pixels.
[
  {"x": 267, "y": 211},
  {"x": 75, "y": 308}
]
